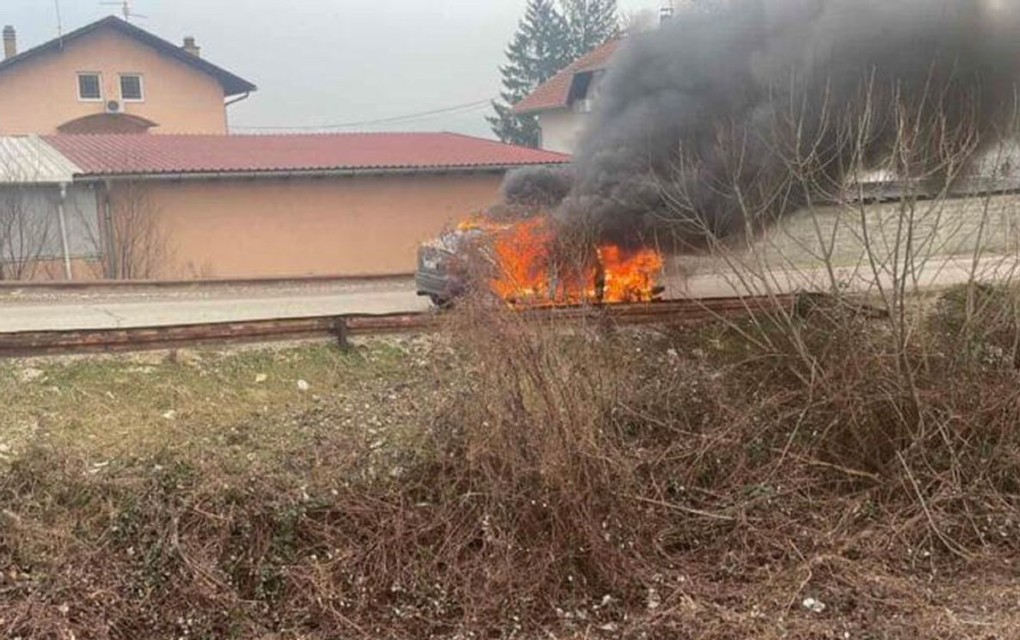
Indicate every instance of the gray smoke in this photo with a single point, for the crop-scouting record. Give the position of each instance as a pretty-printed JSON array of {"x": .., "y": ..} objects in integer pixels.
[
  {"x": 537, "y": 186},
  {"x": 699, "y": 123},
  {"x": 531, "y": 191}
]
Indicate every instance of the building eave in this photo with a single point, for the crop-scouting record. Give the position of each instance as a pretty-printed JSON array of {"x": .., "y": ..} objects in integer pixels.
[
  {"x": 310, "y": 173},
  {"x": 232, "y": 84}
]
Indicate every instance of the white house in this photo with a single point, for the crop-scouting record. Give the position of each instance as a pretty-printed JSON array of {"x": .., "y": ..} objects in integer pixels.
[{"x": 563, "y": 102}]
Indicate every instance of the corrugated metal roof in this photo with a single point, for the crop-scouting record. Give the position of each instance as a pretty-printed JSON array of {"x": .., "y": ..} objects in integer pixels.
[
  {"x": 111, "y": 155},
  {"x": 555, "y": 93},
  {"x": 29, "y": 160}
]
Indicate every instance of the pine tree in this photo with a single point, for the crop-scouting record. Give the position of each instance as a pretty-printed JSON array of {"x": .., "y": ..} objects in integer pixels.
[
  {"x": 590, "y": 24},
  {"x": 540, "y": 49}
]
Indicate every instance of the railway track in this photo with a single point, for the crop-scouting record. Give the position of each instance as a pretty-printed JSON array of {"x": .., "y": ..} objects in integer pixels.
[{"x": 61, "y": 342}]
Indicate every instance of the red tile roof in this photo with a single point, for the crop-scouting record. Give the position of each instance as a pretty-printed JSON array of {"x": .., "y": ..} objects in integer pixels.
[
  {"x": 555, "y": 93},
  {"x": 152, "y": 154}
]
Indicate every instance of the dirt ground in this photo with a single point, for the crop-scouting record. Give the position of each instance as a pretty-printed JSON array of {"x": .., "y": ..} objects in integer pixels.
[{"x": 281, "y": 422}]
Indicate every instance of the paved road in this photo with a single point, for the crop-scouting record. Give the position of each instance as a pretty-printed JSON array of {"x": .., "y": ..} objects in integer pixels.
[
  {"x": 930, "y": 273},
  {"x": 32, "y": 310}
]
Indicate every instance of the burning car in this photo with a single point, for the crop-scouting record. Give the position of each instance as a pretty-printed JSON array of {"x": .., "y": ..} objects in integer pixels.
[
  {"x": 515, "y": 261},
  {"x": 442, "y": 273}
]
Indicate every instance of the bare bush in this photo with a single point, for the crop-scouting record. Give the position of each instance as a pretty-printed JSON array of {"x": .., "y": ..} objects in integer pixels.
[
  {"x": 27, "y": 233},
  {"x": 140, "y": 245},
  {"x": 908, "y": 401}
]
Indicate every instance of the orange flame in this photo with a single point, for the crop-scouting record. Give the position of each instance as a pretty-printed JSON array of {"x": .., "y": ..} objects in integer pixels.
[{"x": 526, "y": 272}]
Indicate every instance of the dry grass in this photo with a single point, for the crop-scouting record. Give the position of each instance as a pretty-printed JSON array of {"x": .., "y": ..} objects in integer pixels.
[
  {"x": 114, "y": 408},
  {"x": 523, "y": 480}
]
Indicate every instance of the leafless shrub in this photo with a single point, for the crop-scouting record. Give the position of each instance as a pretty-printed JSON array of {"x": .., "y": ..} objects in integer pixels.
[
  {"x": 889, "y": 400},
  {"x": 141, "y": 247},
  {"x": 27, "y": 225},
  {"x": 26, "y": 232},
  {"x": 570, "y": 478}
]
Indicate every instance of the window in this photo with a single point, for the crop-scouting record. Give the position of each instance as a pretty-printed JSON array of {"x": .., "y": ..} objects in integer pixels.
[
  {"x": 131, "y": 88},
  {"x": 89, "y": 87}
]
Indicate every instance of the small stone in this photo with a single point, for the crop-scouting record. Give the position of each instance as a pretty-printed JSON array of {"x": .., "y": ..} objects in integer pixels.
[
  {"x": 30, "y": 374},
  {"x": 303, "y": 386},
  {"x": 260, "y": 378},
  {"x": 186, "y": 357},
  {"x": 813, "y": 605},
  {"x": 654, "y": 599}
]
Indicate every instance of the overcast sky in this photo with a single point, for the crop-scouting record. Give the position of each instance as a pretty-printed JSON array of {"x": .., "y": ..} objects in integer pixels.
[{"x": 324, "y": 62}]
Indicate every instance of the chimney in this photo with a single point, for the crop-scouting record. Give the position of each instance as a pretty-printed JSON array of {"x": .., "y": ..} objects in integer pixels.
[
  {"x": 191, "y": 47},
  {"x": 10, "y": 42},
  {"x": 666, "y": 14}
]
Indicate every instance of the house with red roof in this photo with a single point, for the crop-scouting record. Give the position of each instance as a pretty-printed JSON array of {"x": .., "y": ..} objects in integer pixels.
[
  {"x": 562, "y": 104},
  {"x": 115, "y": 162},
  {"x": 113, "y": 77},
  {"x": 245, "y": 206}
]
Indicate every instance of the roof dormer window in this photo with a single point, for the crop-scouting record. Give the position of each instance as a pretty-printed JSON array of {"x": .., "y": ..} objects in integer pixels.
[{"x": 90, "y": 87}]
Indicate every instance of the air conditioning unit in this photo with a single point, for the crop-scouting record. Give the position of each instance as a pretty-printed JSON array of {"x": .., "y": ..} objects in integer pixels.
[{"x": 114, "y": 107}]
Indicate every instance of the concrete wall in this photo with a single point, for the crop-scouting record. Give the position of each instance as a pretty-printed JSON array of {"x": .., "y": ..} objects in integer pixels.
[
  {"x": 305, "y": 226},
  {"x": 41, "y": 93},
  {"x": 561, "y": 129},
  {"x": 950, "y": 227}
]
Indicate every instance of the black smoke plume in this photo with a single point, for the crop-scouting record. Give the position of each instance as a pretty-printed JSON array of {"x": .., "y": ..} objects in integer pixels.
[
  {"x": 722, "y": 121},
  {"x": 537, "y": 187},
  {"x": 531, "y": 191}
]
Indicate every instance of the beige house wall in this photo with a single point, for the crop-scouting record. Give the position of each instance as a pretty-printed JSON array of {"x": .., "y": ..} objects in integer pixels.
[
  {"x": 353, "y": 226},
  {"x": 54, "y": 270},
  {"x": 41, "y": 93}
]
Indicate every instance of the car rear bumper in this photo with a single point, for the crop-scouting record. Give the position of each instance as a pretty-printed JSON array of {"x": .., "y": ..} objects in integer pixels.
[{"x": 437, "y": 284}]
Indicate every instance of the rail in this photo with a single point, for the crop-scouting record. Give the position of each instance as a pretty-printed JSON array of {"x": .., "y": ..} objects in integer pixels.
[{"x": 61, "y": 342}]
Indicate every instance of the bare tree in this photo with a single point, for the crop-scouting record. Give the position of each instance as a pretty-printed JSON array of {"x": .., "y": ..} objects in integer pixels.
[
  {"x": 125, "y": 238},
  {"x": 27, "y": 233},
  {"x": 935, "y": 208},
  {"x": 140, "y": 244}
]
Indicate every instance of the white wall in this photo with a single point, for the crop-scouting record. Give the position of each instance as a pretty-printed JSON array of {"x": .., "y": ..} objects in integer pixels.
[{"x": 561, "y": 129}]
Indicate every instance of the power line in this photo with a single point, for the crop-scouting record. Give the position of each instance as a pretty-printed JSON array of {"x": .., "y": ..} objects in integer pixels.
[
  {"x": 403, "y": 119},
  {"x": 424, "y": 115}
]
